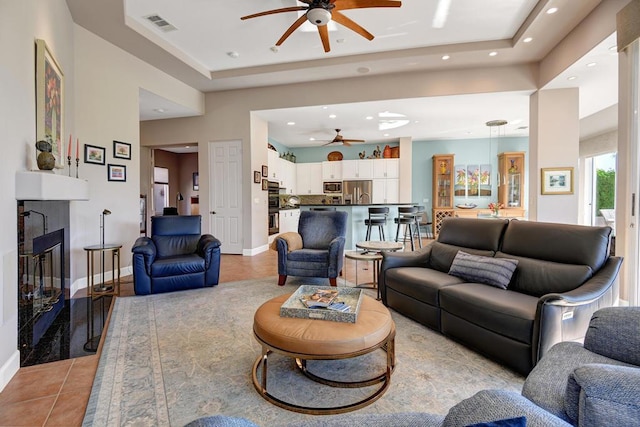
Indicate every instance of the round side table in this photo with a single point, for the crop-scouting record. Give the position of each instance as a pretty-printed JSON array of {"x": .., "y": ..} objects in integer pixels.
[
  {"x": 99, "y": 291},
  {"x": 365, "y": 256}
]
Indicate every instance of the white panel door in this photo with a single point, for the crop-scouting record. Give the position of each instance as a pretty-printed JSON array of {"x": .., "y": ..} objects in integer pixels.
[{"x": 225, "y": 194}]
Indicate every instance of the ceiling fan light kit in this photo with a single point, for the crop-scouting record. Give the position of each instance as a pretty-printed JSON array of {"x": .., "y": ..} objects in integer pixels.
[{"x": 321, "y": 12}]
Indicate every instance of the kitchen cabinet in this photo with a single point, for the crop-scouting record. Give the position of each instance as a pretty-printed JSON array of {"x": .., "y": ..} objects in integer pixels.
[
  {"x": 288, "y": 174},
  {"x": 357, "y": 169},
  {"x": 386, "y": 168},
  {"x": 442, "y": 195},
  {"x": 273, "y": 161},
  {"x": 386, "y": 190},
  {"x": 332, "y": 171},
  {"x": 511, "y": 179},
  {"x": 289, "y": 220},
  {"x": 308, "y": 178}
]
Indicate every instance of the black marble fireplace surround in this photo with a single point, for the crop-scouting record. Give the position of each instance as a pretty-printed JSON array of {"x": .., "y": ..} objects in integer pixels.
[{"x": 51, "y": 326}]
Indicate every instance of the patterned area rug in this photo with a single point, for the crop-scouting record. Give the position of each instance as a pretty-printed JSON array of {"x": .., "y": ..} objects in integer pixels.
[{"x": 171, "y": 358}]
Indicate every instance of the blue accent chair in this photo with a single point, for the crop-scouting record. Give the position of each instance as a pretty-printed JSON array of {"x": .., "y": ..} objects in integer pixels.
[
  {"x": 323, "y": 236},
  {"x": 175, "y": 257}
]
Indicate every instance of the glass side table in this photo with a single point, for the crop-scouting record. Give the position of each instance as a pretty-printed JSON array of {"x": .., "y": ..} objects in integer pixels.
[{"x": 98, "y": 291}]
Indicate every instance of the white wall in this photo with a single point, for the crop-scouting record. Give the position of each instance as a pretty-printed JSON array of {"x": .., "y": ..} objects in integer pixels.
[{"x": 105, "y": 82}]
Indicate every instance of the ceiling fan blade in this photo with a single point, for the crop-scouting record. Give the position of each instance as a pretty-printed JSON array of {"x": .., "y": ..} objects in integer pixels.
[
  {"x": 343, "y": 20},
  {"x": 271, "y": 12},
  {"x": 362, "y": 4},
  {"x": 353, "y": 140},
  {"x": 324, "y": 36},
  {"x": 291, "y": 29},
  {"x": 344, "y": 142}
]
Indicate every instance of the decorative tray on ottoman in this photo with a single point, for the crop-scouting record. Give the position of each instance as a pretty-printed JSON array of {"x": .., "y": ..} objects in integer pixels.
[{"x": 295, "y": 307}]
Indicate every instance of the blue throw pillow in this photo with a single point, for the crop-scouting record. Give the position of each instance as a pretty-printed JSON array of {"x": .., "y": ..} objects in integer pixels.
[
  {"x": 481, "y": 269},
  {"x": 510, "y": 422}
]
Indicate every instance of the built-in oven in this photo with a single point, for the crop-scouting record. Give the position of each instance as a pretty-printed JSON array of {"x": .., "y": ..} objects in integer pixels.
[
  {"x": 274, "y": 226},
  {"x": 332, "y": 187},
  {"x": 274, "y": 207}
]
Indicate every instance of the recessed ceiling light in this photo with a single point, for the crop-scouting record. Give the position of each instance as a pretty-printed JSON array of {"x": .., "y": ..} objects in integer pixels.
[
  {"x": 159, "y": 110},
  {"x": 552, "y": 10},
  {"x": 274, "y": 49},
  {"x": 445, "y": 57},
  {"x": 187, "y": 146},
  {"x": 592, "y": 64},
  {"x": 332, "y": 116},
  {"x": 416, "y": 121},
  {"x": 528, "y": 40},
  {"x": 339, "y": 40},
  {"x": 613, "y": 48},
  {"x": 291, "y": 123},
  {"x": 363, "y": 70},
  {"x": 369, "y": 118},
  {"x": 494, "y": 53},
  {"x": 571, "y": 78},
  {"x": 325, "y": 107},
  {"x": 386, "y": 134},
  {"x": 233, "y": 54},
  {"x": 312, "y": 139}
]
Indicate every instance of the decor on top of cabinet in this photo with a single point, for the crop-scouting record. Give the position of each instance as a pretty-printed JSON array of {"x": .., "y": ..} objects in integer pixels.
[
  {"x": 386, "y": 153},
  {"x": 363, "y": 154},
  {"x": 334, "y": 156},
  {"x": 377, "y": 153},
  {"x": 495, "y": 208},
  {"x": 45, "y": 160}
]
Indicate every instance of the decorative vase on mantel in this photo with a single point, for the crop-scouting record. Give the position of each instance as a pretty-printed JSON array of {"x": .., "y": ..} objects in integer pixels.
[{"x": 45, "y": 160}]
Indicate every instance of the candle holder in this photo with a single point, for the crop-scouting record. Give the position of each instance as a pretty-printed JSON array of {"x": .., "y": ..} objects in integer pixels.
[
  {"x": 69, "y": 164},
  {"x": 77, "y": 165}
]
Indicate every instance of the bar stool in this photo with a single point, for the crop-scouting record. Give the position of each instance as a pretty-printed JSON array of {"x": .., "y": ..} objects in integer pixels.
[
  {"x": 377, "y": 218},
  {"x": 406, "y": 217},
  {"x": 420, "y": 212}
]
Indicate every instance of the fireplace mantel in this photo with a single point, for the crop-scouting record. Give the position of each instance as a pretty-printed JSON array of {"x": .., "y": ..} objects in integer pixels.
[{"x": 33, "y": 185}]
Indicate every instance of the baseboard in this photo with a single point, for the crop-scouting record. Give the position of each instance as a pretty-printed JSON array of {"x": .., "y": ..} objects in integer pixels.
[
  {"x": 81, "y": 283},
  {"x": 9, "y": 369},
  {"x": 255, "y": 251}
]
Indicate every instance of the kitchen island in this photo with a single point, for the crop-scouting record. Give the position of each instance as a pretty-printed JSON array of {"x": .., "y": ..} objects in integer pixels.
[{"x": 356, "y": 229}]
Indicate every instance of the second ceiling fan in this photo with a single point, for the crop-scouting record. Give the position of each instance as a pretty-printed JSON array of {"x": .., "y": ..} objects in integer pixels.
[
  {"x": 338, "y": 139},
  {"x": 320, "y": 12}
]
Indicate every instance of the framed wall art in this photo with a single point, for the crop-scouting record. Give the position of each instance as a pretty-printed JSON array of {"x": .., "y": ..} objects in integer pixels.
[
  {"x": 49, "y": 101},
  {"x": 265, "y": 184},
  {"x": 556, "y": 180},
  {"x": 256, "y": 177},
  {"x": 93, "y": 154},
  {"x": 117, "y": 173},
  {"x": 265, "y": 171},
  {"x": 121, "y": 150}
]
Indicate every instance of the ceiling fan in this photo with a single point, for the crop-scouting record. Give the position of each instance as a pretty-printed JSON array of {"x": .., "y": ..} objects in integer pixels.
[
  {"x": 320, "y": 12},
  {"x": 338, "y": 139}
]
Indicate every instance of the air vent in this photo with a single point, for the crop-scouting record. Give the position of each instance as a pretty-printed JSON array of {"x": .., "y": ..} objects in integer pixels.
[{"x": 160, "y": 22}]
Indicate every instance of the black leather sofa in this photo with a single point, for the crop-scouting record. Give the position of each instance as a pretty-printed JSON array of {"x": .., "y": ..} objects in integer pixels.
[
  {"x": 564, "y": 273},
  {"x": 175, "y": 257}
]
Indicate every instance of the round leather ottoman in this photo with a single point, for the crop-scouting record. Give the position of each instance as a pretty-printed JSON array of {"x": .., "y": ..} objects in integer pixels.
[{"x": 313, "y": 339}]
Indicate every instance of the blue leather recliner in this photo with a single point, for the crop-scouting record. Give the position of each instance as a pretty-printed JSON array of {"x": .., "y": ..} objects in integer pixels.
[
  {"x": 176, "y": 257},
  {"x": 322, "y": 235}
]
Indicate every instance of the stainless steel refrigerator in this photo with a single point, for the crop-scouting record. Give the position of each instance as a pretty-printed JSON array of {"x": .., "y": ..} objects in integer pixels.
[{"x": 357, "y": 192}]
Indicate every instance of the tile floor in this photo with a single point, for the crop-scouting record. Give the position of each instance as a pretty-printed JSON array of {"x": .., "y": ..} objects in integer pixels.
[{"x": 56, "y": 394}]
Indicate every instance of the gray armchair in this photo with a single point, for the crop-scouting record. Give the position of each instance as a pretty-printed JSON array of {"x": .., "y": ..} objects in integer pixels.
[{"x": 317, "y": 250}]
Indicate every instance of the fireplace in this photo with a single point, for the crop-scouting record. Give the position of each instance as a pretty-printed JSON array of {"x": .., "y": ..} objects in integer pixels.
[{"x": 43, "y": 273}]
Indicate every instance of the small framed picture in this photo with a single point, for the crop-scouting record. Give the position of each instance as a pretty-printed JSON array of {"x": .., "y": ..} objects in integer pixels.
[
  {"x": 256, "y": 177},
  {"x": 93, "y": 154},
  {"x": 265, "y": 184},
  {"x": 556, "y": 180},
  {"x": 196, "y": 181},
  {"x": 121, "y": 150},
  {"x": 265, "y": 171},
  {"x": 117, "y": 173}
]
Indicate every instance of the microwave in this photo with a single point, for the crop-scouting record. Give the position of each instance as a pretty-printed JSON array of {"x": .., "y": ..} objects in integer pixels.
[{"x": 332, "y": 187}]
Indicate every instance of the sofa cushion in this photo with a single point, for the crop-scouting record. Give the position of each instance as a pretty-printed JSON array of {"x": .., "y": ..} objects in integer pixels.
[
  {"x": 309, "y": 255},
  {"x": 481, "y": 269},
  {"x": 419, "y": 283},
  {"x": 472, "y": 233},
  {"x": 507, "y": 422},
  {"x": 504, "y": 312},
  {"x": 537, "y": 278},
  {"x": 178, "y": 265},
  {"x": 442, "y": 255},
  {"x": 561, "y": 243},
  {"x": 613, "y": 332},
  {"x": 601, "y": 394}
]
